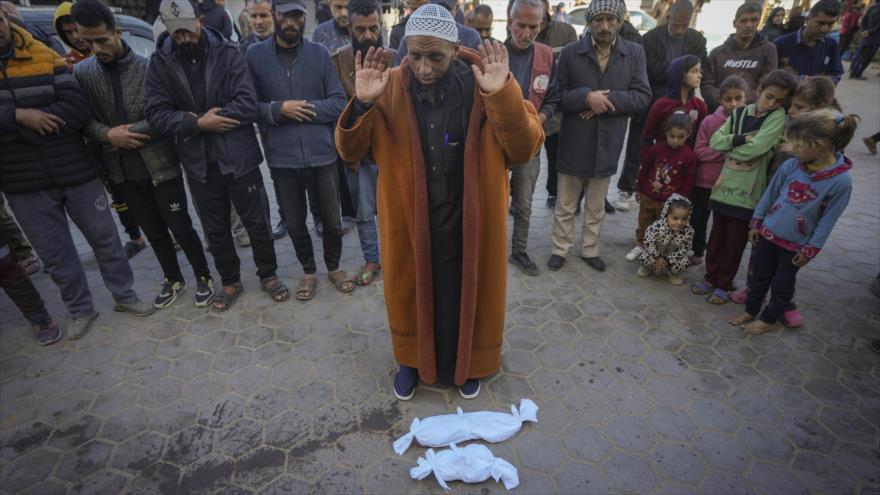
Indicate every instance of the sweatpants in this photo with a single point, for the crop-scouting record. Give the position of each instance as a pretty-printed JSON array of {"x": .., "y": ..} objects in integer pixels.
[
  {"x": 570, "y": 189},
  {"x": 362, "y": 186},
  {"x": 649, "y": 212},
  {"x": 158, "y": 209},
  {"x": 126, "y": 219},
  {"x": 43, "y": 215},
  {"x": 727, "y": 241},
  {"x": 523, "y": 179},
  {"x": 18, "y": 286},
  {"x": 212, "y": 201},
  {"x": 773, "y": 271},
  {"x": 291, "y": 187},
  {"x": 700, "y": 218}
]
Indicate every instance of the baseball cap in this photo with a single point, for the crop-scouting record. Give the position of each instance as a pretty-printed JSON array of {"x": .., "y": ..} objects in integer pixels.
[
  {"x": 179, "y": 14},
  {"x": 448, "y": 4},
  {"x": 285, "y": 6}
]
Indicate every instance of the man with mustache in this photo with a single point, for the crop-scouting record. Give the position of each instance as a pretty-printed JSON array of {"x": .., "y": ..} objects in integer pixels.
[
  {"x": 259, "y": 14},
  {"x": 299, "y": 97},
  {"x": 603, "y": 80},
  {"x": 335, "y": 33},
  {"x": 443, "y": 128},
  {"x": 199, "y": 90},
  {"x": 366, "y": 31}
]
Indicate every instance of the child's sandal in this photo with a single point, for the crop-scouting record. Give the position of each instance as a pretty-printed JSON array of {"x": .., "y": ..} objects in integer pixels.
[
  {"x": 702, "y": 288},
  {"x": 719, "y": 296}
]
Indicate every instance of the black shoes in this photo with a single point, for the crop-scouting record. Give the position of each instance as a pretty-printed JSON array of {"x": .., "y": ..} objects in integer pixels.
[
  {"x": 280, "y": 230},
  {"x": 524, "y": 263},
  {"x": 608, "y": 207},
  {"x": 595, "y": 263},
  {"x": 555, "y": 262}
]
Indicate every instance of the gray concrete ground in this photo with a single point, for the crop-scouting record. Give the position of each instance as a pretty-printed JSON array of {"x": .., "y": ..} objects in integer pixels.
[{"x": 643, "y": 387}]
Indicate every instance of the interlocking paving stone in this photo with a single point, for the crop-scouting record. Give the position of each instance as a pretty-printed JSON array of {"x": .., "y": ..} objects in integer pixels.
[{"x": 642, "y": 387}]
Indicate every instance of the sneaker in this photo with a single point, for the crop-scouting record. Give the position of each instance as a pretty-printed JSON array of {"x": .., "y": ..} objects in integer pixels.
[
  {"x": 319, "y": 229},
  {"x": 675, "y": 279},
  {"x": 79, "y": 325},
  {"x": 695, "y": 260},
  {"x": 204, "y": 292},
  {"x": 555, "y": 262},
  {"x": 405, "y": 381},
  {"x": 551, "y": 201},
  {"x": 525, "y": 264},
  {"x": 643, "y": 271},
  {"x": 133, "y": 248},
  {"x": 168, "y": 293},
  {"x": 280, "y": 230},
  {"x": 608, "y": 208},
  {"x": 623, "y": 202},
  {"x": 348, "y": 225},
  {"x": 635, "y": 253},
  {"x": 47, "y": 332},
  {"x": 739, "y": 296},
  {"x": 793, "y": 319},
  {"x": 470, "y": 389},
  {"x": 244, "y": 240},
  {"x": 871, "y": 145},
  {"x": 137, "y": 308}
]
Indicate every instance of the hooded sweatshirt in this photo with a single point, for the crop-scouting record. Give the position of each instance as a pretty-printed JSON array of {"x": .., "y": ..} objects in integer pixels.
[
  {"x": 655, "y": 124},
  {"x": 799, "y": 208},
  {"x": 751, "y": 63},
  {"x": 74, "y": 55},
  {"x": 661, "y": 241},
  {"x": 709, "y": 161}
]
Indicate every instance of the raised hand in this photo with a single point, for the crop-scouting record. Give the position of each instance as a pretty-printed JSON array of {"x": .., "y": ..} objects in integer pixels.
[
  {"x": 370, "y": 75},
  {"x": 495, "y": 67}
]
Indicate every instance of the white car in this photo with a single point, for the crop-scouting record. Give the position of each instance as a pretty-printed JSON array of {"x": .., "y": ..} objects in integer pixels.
[{"x": 642, "y": 21}]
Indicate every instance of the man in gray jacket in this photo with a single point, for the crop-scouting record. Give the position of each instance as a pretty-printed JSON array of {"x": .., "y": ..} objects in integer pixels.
[
  {"x": 602, "y": 81},
  {"x": 145, "y": 171}
]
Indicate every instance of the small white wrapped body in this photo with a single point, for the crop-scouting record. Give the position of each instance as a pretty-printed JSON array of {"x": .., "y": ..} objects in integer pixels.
[
  {"x": 446, "y": 429},
  {"x": 474, "y": 463}
]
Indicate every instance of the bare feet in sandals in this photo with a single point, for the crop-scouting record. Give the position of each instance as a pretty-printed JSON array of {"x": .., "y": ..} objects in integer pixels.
[
  {"x": 367, "y": 274},
  {"x": 224, "y": 299},
  {"x": 305, "y": 288},
  {"x": 276, "y": 288},
  {"x": 740, "y": 319},
  {"x": 341, "y": 281},
  {"x": 757, "y": 327}
]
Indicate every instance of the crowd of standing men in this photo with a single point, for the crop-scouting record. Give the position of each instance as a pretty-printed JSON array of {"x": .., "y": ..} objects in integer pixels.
[{"x": 188, "y": 114}]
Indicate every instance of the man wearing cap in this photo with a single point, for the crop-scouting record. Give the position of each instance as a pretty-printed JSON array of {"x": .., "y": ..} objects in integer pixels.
[
  {"x": 199, "y": 91},
  {"x": 443, "y": 127},
  {"x": 602, "y": 82},
  {"x": 532, "y": 65},
  {"x": 300, "y": 97},
  {"x": 468, "y": 37}
]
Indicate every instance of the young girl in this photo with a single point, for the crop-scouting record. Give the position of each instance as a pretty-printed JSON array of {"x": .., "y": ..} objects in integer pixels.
[
  {"x": 683, "y": 76},
  {"x": 812, "y": 93},
  {"x": 668, "y": 167},
  {"x": 732, "y": 95},
  {"x": 797, "y": 212},
  {"x": 749, "y": 137},
  {"x": 667, "y": 241}
]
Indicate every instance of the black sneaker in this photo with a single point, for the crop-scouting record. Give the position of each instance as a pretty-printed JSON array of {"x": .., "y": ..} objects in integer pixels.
[
  {"x": 555, "y": 262},
  {"x": 405, "y": 381},
  {"x": 524, "y": 263},
  {"x": 595, "y": 263},
  {"x": 168, "y": 294},
  {"x": 280, "y": 230},
  {"x": 470, "y": 389},
  {"x": 133, "y": 248},
  {"x": 47, "y": 332},
  {"x": 609, "y": 209},
  {"x": 204, "y": 292}
]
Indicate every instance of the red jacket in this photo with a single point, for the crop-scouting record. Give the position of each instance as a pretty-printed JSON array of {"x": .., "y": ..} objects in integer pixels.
[
  {"x": 655, "y": 124},
  {"x": 665, "y": 171},
  {"x": 850, "y": 23}
]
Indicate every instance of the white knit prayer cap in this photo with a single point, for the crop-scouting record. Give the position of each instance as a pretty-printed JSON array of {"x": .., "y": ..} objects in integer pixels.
[{"x": 432, "y": 20}]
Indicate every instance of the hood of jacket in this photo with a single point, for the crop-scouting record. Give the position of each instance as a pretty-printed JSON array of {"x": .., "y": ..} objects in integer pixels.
[
  {"x": 662, "y": 226},
  {"x": 675, "y": 77},
  {"x": 208, "y": 5},
  {"x": 165, "y": 45},
  {"x": 63, "y": 10},
  {"x": 757, "y": 41}
]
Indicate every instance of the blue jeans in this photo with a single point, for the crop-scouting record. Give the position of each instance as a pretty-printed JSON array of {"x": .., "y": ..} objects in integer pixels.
[{"x": 362, "y": 186}]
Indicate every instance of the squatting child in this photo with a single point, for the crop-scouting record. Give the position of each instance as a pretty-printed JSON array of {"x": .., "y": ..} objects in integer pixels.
[{"x": 668, "y": 240}]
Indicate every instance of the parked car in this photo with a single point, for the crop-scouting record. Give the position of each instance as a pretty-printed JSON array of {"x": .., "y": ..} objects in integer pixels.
[
  {"x": 137, "y": 33},
  {"x": 642, "y": 21}
]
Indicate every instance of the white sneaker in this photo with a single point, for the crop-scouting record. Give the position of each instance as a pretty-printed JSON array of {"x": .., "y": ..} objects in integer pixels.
[
  {"x": 635, "y": 253},
  {"x": 623, "y": 202},
  {"x": 643, "y": 271}
]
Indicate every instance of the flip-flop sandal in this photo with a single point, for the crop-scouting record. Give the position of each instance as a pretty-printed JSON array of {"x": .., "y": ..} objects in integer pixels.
[
  {"x": 276, "y": 288},
  {"x": 702, "y": 288},
  {"x": 365, "y": 277},
  {"x": 305, "y": 288},
  {"x": 770, "y": 328},
  {"x": 341, "y": 281},
  {"x": 718, "y": 296},
  {"x": 224, "y": 300}
]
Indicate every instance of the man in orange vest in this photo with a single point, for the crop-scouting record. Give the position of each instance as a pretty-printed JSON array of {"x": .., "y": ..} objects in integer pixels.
[{"x": 532, "y": 65}]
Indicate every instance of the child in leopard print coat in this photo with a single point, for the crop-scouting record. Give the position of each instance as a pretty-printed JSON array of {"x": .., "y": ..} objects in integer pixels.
[{"x": 667, "y": 241}]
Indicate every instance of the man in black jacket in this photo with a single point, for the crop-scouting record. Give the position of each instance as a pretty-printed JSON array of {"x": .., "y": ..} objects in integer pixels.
[
  {"x": 144, "y": 171},
  {"x": 47, "y": 175},
  {"x": 199, "y": 91}
]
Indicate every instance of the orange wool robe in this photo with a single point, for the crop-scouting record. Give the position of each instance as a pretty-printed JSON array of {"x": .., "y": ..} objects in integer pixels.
[{"x": 503, "y": 130}]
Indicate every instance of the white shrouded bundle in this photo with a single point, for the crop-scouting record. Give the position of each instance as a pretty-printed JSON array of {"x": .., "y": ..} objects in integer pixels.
[
  {"x": 446, "y": 429},
  {"x": 472, "y": 464}
]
